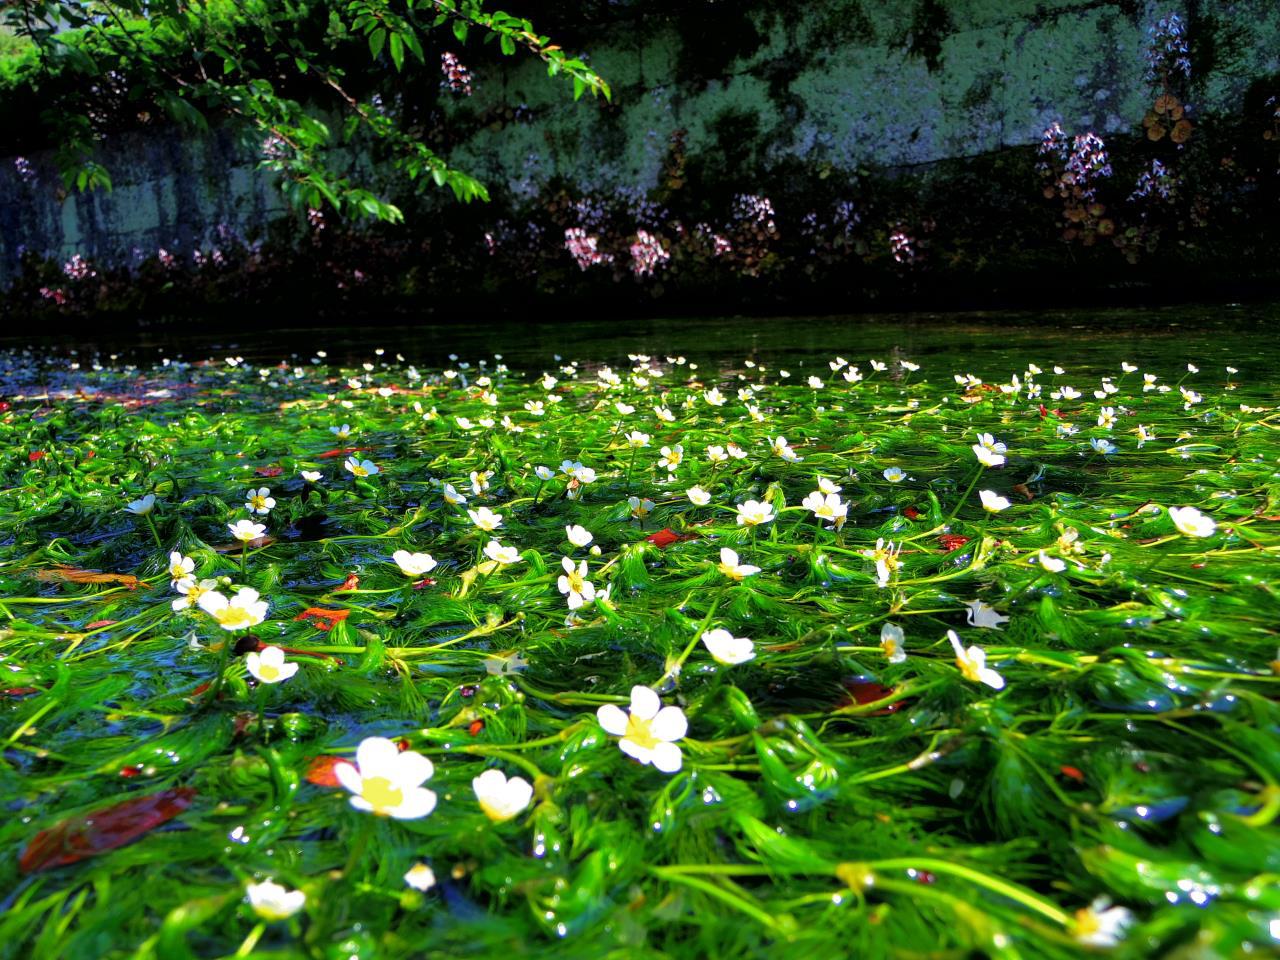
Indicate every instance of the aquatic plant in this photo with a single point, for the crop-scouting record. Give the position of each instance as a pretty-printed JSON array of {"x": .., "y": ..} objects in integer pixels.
[{"x": 660, "y": 659}]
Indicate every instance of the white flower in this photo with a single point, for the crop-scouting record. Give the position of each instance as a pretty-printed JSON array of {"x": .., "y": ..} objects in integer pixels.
[
  {"x": 828, "y": 486},
  {"x": 640, "y": 508},
  {"x": 815, "y": 383},
  {"x": 992, "y": 502},
  {"x": 989, "y": 451},
  {"x": 191, "y": 592},
  {"x": 973, "y": 664},
  {"x": 983, "y": 615},
  {"x": 501, "y": 798},
  {"x": 716, "y": 454},
  {"x": 387, "y": 782},
  {"x": 826, "y": 508},
  {"x": 503, "y": 556},
  {"x": 1100, "y": 924},
  {"x": 246, "y": 530},
  {"x": 1107, "y": 417},
  {"x": 360, "y": 468},
  {"x": 259, "y": 501},
  {"x": 420, "y": 877},
  {"x": 452, "y": 496},
  {"x": 837, "y": 363},
  {"x": 649, "y": 733},
  {"x": 1103, "y": 446},
  {"x": 895, "y": 474},
  {"x": 728, "y": 649},
  {"x": 783, "y": 449},
  {"x": 543, "y": 473},
  {"x": 341, "y": 432},
  {"x": 241, "y": 612},
  {"x": 414, "y": 564},
  {"x": 891, "y": 643},
  {"x": 485, "y": 519},
  {"x": 311, "y": 476},
  {"x": 271, "y": 901},
  {"x": 142, "y": 507},
  {"x": 1052, "y": 564},
  {"x": 671, "y": 457},
  {"x": 714, "y": 397},
  {"x": 753, "y": 513},
  {"x": 732, "y": 569},
  {"x": 480, "y": 481},
  {"x": 180, "y": 567},
  {"x": 579, "y": 536},
  {"x": 269, "y": 665},
  {"x": 574, "y": 583},
  {"x": 697, "y": 496},
  {"x": 1191, "y": 522},
  {"x": 636, "y": 439},
  {"x": 735, "y": 451}
]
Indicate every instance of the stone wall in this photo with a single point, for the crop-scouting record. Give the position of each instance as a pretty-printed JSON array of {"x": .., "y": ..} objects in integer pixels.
[{"x": 842, "y": 85}]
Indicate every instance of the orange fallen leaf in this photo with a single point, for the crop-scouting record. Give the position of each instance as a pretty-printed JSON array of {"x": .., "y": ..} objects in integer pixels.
[
  {"x": 67, "y": 574},
  {"x": 236, "y": 547},
  {"x": 1024, "y": 490},
  {"x": 340, "y": 452},
  {"x": 89, "y": 834},
  {"x": 321, "y": 771},
  {"x": 321, "y": 618}
]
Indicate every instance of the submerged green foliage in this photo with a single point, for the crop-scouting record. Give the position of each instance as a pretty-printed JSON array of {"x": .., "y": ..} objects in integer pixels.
[{"x": 830, "y": 802}]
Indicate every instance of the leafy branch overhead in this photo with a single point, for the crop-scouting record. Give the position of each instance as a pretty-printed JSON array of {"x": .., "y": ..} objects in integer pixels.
[{"x": 282, "y": 72}]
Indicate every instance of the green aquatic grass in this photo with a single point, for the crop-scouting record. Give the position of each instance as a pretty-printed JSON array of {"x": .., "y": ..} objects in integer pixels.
[{"x": 830, "y": 801}]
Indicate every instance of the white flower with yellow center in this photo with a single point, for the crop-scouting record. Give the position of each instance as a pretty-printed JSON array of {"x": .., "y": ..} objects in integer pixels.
[
  {"x": 826, "y": 507},
  {"x": 891, "y": 638},
  {"x": 578, "y": 590},
  {"x": 246, "y": 530},
  {"x": 1100, "y": 924},
  {"x": 259, "y": 501},
  {"x": 837, "y": 363},
  {"x": 180, "y": 568},
  {"x": 716, "y": 454},
  {"x": 388, "y": 782},
  {"x": 341, "y": 432},
  {"x": 885, "y": 555},
  {"x": 535, "y": 407},
  {"x": 360, "y": 468},
  {"x": 1049, "y": 563},
  {"x": 480, "y": 481},
  {"x": 852, "y": 375},
  {"x": 783, "y": 449},
  {"x": 640, "y": 508},
  {"x": 697, "y": 496},
  {"x": 269, "y": 666},
  {"x": 1191, "y": 522},
  {"x": 191, "y": 592},
  {"x": 414, "y": 564},
  {"x": 543, "y": 473},
  {"x": 828, "y": 486},
  {"x": 714, "y": 397},
  {"x": 272, "y": 902},
  {"x": 502, "y": 798},
  {"x": 671, "y": 457},
  {"x": 636, "y": 439},
  {"x": 992, "y": 502},
  {"x": 501, "y": 555},
  {"x": 732, "y": 569},
  {"x": 753, "y": 513},
  {"x": 452, "y": 496},
  {"x": 311, "y": 476},
  {"x": 241, "y": 612},
  {"x": 485, "y": 519},
  {"x": 579, "y": 536},
  {"x": 973, "y": 663},
  {"x": 664, "y": 414},
  {"x": 895, "y": 474},
  {"x": 989, "y": 451},
  {"x": 735, "y": 451},
  {"x": 649, "y": 731},
  {"x": 727, "y": 649},
  {"x": 1107, "y": 418},
  {"x": 420, "y": 877}
]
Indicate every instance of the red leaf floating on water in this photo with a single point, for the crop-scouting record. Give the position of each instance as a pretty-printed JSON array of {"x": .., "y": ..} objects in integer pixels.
[
  {"x": 952, "y": 541},
  {"x": 19, "y": 691},
  {"x": 424, "y": 582},
  {"x": 351, "y": 583},
  {"x": 911, "y": 513},
  {"x": 269, "y": 471},
  {"x": 322, "y": 619},
  {"x": 90, "y": 834},
  {"x": 476, "y": 727},
  {"x": 321, "y": 772},
  {"x": 863, "y": 692},
  {"x": 1073, "y": 772},
  {"x": 666, "y": 537},
  {"x": 35, "y": 455},
  {"x": 340, "y": 452},
  {"x": 100, "y": 623}
]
